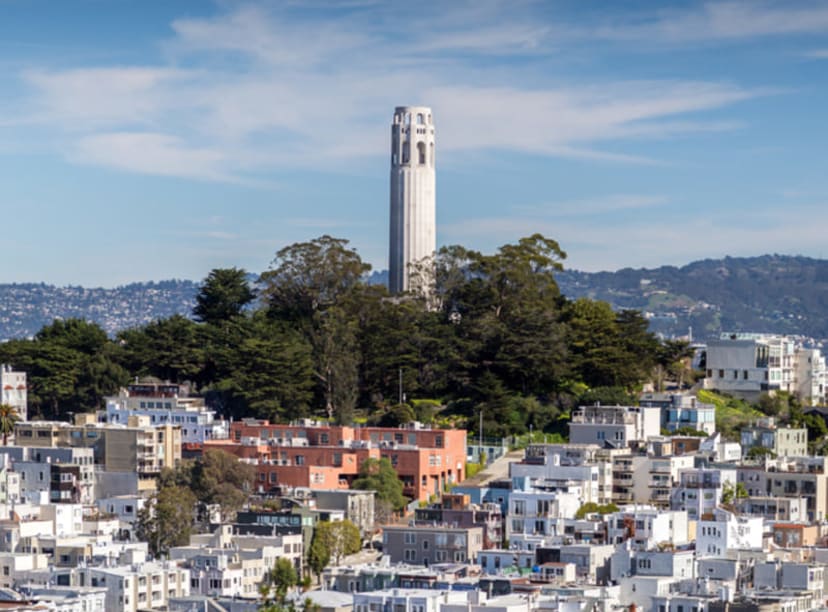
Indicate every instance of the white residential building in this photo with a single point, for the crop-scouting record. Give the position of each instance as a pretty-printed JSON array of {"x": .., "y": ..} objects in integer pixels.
[
  {"x": 163, "y": 404},
  {"x": 125, "y": 507},
  {"x": 728, "y": 531},
  {"x": 790, "y": 576},
  {"x": 413, "y": 600},
  {"x": 586, "y": 464},
  {"x": 647, "y": 526},
  {"x": 534, "y": 512},
  {"x": 699, "y": 491},
  {"x": 139, "y": 586},
  {"x": 717, "y": 449},
  {"x": 16, "y": 565},
  {"x": 663, "y": 473},
  {"x": 614, "y": 426},
  {"x": 68, "y": 599},
  {"x": 14, "y": 390},
  {"x": 228, "y": 565},
  {"x": 748, "y": 364}
]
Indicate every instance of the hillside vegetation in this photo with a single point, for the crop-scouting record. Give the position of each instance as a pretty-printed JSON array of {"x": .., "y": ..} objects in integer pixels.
[{"x": 771, "y": 293}]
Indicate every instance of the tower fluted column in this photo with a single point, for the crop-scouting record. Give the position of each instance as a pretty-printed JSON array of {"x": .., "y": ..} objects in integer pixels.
[{"x": 413, "y": 233}]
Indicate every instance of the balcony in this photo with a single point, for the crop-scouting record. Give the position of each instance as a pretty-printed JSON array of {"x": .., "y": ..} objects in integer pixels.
[
  {"x": 603, "y": 418},
  {"x": 700, "y": 484},
  {"x": 661, "y": 495}
]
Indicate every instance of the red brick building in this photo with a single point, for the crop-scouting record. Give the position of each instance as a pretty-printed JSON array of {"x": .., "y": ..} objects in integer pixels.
[{"x": 321, "y": 456}]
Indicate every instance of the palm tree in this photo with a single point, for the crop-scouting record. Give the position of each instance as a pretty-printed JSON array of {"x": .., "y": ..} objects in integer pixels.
[{"x": 8, "y": 417}]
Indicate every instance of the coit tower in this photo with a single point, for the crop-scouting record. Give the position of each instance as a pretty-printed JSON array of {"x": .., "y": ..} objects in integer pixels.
[{"x": 413, "y": 210}]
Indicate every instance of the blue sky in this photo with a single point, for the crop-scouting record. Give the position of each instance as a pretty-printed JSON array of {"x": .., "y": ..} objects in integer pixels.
[{"x": 145, "y": 140}]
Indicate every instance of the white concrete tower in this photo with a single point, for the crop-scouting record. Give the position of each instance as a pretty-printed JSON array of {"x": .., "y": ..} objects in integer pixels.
[{"x": 413, "y": 209}]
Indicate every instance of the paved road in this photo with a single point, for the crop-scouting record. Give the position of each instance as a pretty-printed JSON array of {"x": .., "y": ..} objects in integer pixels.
[{"x": 497, "y": 470}]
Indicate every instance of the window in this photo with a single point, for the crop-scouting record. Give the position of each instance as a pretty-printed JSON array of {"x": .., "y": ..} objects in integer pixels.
[
  {"x": 410, "y": 537},
  {"x": 410, "y": 554}
]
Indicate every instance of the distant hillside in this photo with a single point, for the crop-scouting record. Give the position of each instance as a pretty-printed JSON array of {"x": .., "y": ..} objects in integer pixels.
[
  {"x": 27, "y": 307},
  {"x": 771, "y": 293}
]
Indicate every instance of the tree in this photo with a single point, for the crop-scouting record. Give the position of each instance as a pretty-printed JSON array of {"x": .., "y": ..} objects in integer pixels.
[
  {"x": 674, "y": 361},
  {"x": 332, "y": 540},
  {"x": 380, "y": 476},
  {"x": 70, "y": 366},
  {"x": 167, "y": 519},
  {"x": 171, "y": 349},
  {"x": 282, "y": 578},
  {"x": 220, "y": 478},
  {"x": 731, "y": 492},
  {"x": 607, "y": 396},
  {"x": 335, "y": 345},
  {"x": 319, "y": 555},
  {"x": 223, "y": 295},
  {"x": 593, "y": 508},
  {"x": 74, "y": 334},
  {"x": 759, "y": 452},
  {"x": 307, "y": 286},
  {"x": 216, "y": 478},
  {"x": 309, "y": 276},
  {"x": 8, "y": 417},
  {"x": 268, "y": 374}
]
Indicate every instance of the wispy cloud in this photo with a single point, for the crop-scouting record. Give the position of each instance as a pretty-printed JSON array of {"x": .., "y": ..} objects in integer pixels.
[
  {"x": 596, "y": 206},
  {"x": 720, "y": 21},
  {"x": 151, "y": 153},
  {"x": 270, "y": 88},
  {"x": 817, "y": 54}
]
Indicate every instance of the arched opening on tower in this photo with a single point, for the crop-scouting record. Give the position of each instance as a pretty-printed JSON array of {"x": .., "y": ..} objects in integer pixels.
[
  {"x": 420, "y": 119},
  {"x": 406, "y": 152},
  {"x": 421, "y": 152},
  {"x": 431, "y": 155}
]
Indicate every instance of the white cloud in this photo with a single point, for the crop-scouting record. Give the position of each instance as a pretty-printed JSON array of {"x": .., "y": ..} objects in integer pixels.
[
  {"x": 817, "y": 54},
  {"x": 719, "y": 21},
  {"x": 149, "y": 153},
  {"x": 88, "y": 97},
  {"x": 597, "y": 205},
  {"x": 267, "y": 89}
]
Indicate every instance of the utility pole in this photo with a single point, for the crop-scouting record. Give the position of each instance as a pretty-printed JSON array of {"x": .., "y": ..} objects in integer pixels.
[
  {"x": 480, "y": 435},
  {"x": 401, "y": 388}
]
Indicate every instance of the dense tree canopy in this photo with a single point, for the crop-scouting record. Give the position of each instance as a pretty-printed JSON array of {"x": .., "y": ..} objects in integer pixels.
[
  {"x": 492, "y": 333},
  {"x": 223, "y": 296}
]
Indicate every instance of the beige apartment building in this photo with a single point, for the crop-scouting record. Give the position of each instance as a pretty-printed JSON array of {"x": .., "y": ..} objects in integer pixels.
[
  {"x": 135, "y": 447},
  {"x": 800, "y": 477}
]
